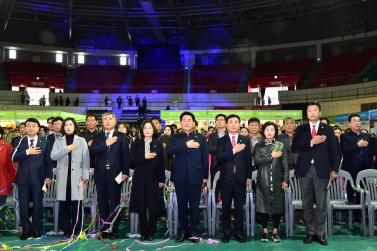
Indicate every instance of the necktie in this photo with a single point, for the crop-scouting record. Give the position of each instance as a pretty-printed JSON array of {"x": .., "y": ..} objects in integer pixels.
[
  {"x": 31, "y": 142},
  {"x": 108, "y": 148},
  {"x": 233, "y": 144},
  {"x": 314, "y": 133}
]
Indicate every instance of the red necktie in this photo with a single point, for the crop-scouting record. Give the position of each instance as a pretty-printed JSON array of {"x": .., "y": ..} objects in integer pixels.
[
  {"x": 31, "y": 143},
  {"x": 314, "y": 133},
  {"x": 233, "y": 144}
]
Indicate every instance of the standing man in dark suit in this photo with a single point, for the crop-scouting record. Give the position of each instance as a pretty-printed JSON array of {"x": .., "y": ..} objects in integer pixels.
[
  {"x": 233, "y": 151},
  {"x": 220, "y": 132},
  {"x": 22, "y": 134},
  {"x": 34, "y": 170},
  {"x": 112, "y": 152},
  {"x": 88, "y": 134},
  {"x": 316, "y": 164},
  {"x": 357, "y": 153},
  {"x": 189, "y": 172},
  {"x": 50, "y": 126},
  {"x": 57, "y": 126},
  {"x": 286, "y": 138}
]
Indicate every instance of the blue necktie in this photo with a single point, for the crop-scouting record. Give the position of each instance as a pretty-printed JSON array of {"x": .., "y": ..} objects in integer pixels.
[{"x": 108, "y": 148}]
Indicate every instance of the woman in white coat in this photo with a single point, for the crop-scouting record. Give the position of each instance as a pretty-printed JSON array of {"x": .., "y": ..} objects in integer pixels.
[{"x": 72, "y": 173}]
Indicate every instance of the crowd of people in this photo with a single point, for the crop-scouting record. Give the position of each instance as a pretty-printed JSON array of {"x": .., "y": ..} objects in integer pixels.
[{"x": 314, "y": 150}]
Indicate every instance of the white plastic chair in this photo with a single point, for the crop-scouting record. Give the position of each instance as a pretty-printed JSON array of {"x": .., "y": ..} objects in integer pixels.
[
  {"x": 338, "y": 200},
  {"x": 126, "y": 188},
  {"x": 49, "y": 200},
  {"x": 295, "y": 201},
  {"x": 217, "y": 206},
  {"x": 367, "y": 181},
  {"x": 12, "y": 198},
  {"x": 91, "y": 197}
]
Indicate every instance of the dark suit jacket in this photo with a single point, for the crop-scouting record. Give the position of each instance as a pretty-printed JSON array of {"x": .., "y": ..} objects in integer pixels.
[
  {"x": 242, "y": 160},
  {"x": 350, "y": 151},
  {"x": 212, "y": 146},
  {"x": 195, "y": 160},
  {"x": 40, "y": 166},
  {"x": 147, "y": 174},
  {"x": 51, "y": 138},
  {"x": 324, "y": 154},
  {"x": 118, "y": 155}
]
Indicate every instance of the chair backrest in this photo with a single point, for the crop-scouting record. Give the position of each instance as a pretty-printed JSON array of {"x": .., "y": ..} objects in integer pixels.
[
  {"x": 50, "y": 196},
  {"x": 254, "y": 176},
  {"x": 294, "y": 185},
  {"x": 338, "y": 186},
  {"x": 91, "y": 185},
  {"x": 217, "y": 177},
  {"x": 367, "y": 180},
  {"x": 167, "y": 181},
  {"x": 12, "y": 197},
  {"x": 131, "y": 172}
]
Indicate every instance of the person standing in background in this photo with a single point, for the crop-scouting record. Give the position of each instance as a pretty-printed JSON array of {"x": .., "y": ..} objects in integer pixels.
[
  {"x": 22, "y": 98},
  {"x": 88, "y": 134},
  {"x": 220, "y": 132}
]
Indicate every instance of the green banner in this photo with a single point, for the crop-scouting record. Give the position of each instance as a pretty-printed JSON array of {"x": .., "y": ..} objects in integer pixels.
[
  {"x": 202, "y": 114},
  {"x": 76, "y": 116},
  {"x": 38, "y": 114},
  {"x": 6, "y": 114},
  {"x": 278, "y": 114}
]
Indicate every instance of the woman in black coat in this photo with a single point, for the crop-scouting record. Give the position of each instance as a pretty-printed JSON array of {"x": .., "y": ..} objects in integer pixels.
[
  {"x": 147, "y": 155},
  {"x": 273, "y": 173}
]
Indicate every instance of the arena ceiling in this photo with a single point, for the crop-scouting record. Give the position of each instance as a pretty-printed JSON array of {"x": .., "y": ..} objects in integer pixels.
[{"x": 193, "y": 23}]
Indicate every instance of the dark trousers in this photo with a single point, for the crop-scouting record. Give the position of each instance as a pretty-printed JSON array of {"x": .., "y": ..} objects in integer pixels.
[
  {"x": 234, "y": 190},
  {"x": 188, "y": 193},
  {"x": 68, "y": 213},
  {"x": 312, "y": 186},
  {"x": 148, "y": 228},
  {"x": 3, "y": 200},
  {"x": 108, "y": 190},
  {"x": 24, "y": 190},
  {"x": 350, "y": 191},
  {"x": 265, "y": 217},
  {"x": 119, "y": 105},
  {"x": 214, "y": 170}
]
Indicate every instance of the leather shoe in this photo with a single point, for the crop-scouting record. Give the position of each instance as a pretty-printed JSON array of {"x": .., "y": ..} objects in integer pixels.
[
  {"x": 308, "y": 239},
  {"x": 25, "y": 236},
  {"x": 113, "y": 236},
  {"x": 37, "y": 235},
  {"x": 150, "y": 238},
  {"x": 193, "y": 238},
  {"x": 239, "y": 238},
  {"x": 226, "y": 238},
  {"x": 142, "y": 238},
  {"x": 66, "y": 234},
  {"x": 321, "y": 240},
  {"x": 181, "y": 237}
]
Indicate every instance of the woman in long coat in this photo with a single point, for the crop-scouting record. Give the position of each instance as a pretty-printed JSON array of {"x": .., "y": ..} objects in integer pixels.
[
  {"x": 147, "y": 155},
  {"x": 7, "y": 174},
  {"x": 273, "y": 174},
  {"x": 72, "y": 173}
]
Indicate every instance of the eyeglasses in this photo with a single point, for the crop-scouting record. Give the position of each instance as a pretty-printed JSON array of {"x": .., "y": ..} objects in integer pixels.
[{"x": 220, "y": 120}]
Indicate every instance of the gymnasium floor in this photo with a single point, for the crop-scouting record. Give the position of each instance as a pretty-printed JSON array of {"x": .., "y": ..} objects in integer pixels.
[{"x": 342, "y": 239}]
